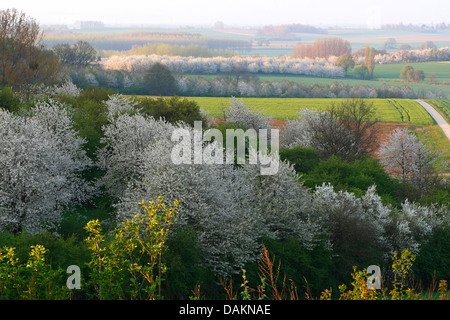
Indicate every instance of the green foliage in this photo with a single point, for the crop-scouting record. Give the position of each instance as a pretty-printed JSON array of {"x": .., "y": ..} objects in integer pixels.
[
  {"x": 433, "y": 260},
  {"x": 312, "y": 268},
  {"x": 33, "y": 280},
  {"x": 172, "y": 109},
  {"x": 184, "y": 273},
  {"x": 346, "y": 62},
  {"x": 369, "y": 58},
  {"x": 158, "y": 80},
  {"x": 245, "y": 293},
  {"x": 359, "y": 291},
  {"x": 9, "y": 100},
  {"x": 401, "y": 267},
  {"x": 131, "y": 260},
  {"x": 129, "y": 264},
  {"x": 61, "y": 251},
  {"x": 90, "y": 115},
  {"x": 361, "y": 71},
  {"x": 354, "y": 177},
  {"x": 303, "y": 159},
  {"x": 408, "y": 73},
  {"x": 80, "y": 54}
]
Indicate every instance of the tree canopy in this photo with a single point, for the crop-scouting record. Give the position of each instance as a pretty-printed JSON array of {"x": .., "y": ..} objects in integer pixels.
[
  {"x": 23, "y": 58},
  {"x": 80, "y": 54},
  {"x": 159, "y": 80}
]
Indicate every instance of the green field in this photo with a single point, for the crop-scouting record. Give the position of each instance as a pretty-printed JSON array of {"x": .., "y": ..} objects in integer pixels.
[
  {"x": 388, "y": 110},
  {"x": 436, "y": 139},
  {"x": 392, "y": 71},
  {"x": 442, "y": 106}
]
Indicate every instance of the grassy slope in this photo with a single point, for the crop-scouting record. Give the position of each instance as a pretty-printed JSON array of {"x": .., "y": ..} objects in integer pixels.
[{"x": 442, "y": 106}]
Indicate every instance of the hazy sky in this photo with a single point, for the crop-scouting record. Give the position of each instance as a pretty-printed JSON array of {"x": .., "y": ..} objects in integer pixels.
[{"x": 236, "y": 12}]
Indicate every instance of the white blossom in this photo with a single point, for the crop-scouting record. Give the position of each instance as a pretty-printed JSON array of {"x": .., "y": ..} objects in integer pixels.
[
  {"x": 245, "y": 116},
  {"x": 125, "y": 137},
  {"x": 68, "y": 88},
  {"x": 118, "y": 104},
  {"x": 42, "y": 160},
  {"x": 403, "y": 155}
]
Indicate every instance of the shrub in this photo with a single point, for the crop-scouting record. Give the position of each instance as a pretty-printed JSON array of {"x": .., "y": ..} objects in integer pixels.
[
  {"x": 433, "y": 260},
  {"x": 311, "y": 268},
  {"x": 130, "y": 265},
  {"x": 354, "y": 177},
  {"x": 303, "y": 159},
  {"x": 173, "y": 109},
  {"x": 89, "y": 115},
  {"x": 33, "y": 280},
  {"x": 9, "y": 100}
]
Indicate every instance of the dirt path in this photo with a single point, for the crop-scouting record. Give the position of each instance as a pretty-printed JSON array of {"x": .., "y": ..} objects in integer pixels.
[{"x": 437, "y": 117}]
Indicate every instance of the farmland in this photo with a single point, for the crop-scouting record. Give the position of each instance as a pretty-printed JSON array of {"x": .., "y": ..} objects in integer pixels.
[
  {"x": 442, "y": 106},
  {"x": 388, "y": 110},
  {"x": 392, "y": 71},
  {"x": 391, "y": 113},
  {"x": 358, "y": 38}
]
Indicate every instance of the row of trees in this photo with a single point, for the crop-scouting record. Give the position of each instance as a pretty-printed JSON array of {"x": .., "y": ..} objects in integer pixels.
[
  {"x": 254, "y": 65},
  {"x": 287, "y": 31},
  {"x": 81, "y": 54},
  {"x": 238, "y": 85},
  {"x": 323, "y": 48},
  {"x": 322, "y": 67},
  {"x": 222, "y": 86},
  {"x": 417, "y": 28},
  {"x": 123, "y": 41},
  {"x": 407, "y": 56},
  {"x": 165, "y": 49}
]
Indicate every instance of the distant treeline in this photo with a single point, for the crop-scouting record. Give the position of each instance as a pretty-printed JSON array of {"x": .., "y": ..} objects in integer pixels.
[
  {"x": 287, "y": 31},
  {"x": 235, "y": 65},
  {"x": 130, "y": 82},
  {"x": 126, "y": 40},
  {"x": 165, "y": 49},
  {"x": 417, "y": 28}
]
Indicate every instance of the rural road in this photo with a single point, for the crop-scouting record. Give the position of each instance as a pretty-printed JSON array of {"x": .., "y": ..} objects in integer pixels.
[{"x": 437, "y": 117}]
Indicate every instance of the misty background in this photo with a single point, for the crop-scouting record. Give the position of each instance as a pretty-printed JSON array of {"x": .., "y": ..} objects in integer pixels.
[{"x": 344, "y": 13}]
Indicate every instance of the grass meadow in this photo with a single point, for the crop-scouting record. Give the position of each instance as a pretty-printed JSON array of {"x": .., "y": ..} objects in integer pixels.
[{"x": 442, "y": 106}]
